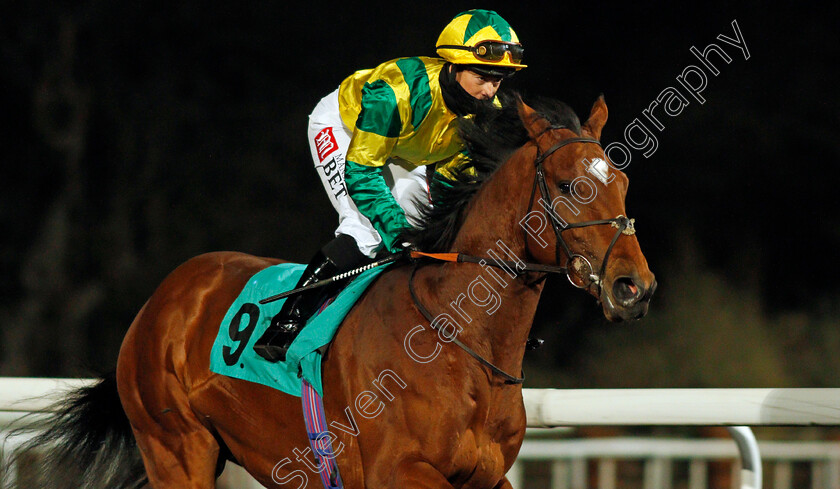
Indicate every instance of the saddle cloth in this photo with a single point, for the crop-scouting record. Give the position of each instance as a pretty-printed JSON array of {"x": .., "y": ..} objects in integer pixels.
[{"x": 246, "y": 320}]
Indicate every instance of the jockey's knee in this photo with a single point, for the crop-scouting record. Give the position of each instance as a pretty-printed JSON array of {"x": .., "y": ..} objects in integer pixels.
[{"x": 344, "y": 252}]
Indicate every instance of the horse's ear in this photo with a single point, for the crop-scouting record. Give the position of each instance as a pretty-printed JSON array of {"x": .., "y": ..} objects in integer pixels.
[
  {"x": 597, "y": 117},
  {"x": 534, "y": 123}
]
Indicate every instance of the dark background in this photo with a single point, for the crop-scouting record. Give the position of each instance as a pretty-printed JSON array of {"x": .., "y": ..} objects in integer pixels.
[{"x": 137, "y": 136}]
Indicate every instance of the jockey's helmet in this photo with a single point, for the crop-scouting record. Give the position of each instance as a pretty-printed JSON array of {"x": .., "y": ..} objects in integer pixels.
[{"x": 483, "y": 39}]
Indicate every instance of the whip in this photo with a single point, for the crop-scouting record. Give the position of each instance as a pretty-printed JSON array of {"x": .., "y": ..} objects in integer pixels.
[{"x": 336, "y": 278}]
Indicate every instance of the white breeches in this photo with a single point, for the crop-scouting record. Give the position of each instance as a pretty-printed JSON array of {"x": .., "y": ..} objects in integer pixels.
[{"x": 329, "y": 139}]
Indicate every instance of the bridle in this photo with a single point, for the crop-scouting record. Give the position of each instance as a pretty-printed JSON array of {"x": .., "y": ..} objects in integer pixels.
[{"x": 623, "y": 224}]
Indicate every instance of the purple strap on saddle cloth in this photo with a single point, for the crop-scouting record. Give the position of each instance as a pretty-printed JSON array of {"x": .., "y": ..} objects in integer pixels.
[{"x": 319, "y": 439}]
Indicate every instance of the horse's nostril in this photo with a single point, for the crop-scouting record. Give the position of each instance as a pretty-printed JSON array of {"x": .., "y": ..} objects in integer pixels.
[{"x": 626, "y": 291}]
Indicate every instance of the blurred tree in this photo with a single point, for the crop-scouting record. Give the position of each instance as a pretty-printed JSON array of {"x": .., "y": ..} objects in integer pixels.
[
  {"x": 53, "y": 293},
  {"x": 141, "y": 135}
]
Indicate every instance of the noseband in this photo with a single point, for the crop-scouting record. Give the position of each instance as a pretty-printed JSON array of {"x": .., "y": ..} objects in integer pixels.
[{"x": 623, "y": 224}]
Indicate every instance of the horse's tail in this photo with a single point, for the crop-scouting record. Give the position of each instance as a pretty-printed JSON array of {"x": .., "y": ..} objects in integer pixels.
[{"x": 86, "y": 443}]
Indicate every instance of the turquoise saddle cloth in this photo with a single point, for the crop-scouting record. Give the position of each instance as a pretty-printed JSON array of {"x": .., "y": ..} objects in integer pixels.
[{"x": 233, "y": 352}]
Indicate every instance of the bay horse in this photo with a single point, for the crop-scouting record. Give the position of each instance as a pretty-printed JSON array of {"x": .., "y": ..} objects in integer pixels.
[{"x": 407, "y": 408}]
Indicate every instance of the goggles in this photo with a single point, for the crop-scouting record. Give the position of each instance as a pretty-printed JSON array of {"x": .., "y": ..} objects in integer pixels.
[{"x": 492, "y": 51}]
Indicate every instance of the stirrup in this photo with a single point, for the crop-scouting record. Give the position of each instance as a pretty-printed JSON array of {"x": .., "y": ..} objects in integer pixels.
[
  {"x": 275, "y": 342},
  {"x": 272, "y": 353}
]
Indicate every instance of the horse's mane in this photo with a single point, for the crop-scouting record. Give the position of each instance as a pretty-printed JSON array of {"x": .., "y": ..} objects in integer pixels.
[{"x": 490, "y": 137}]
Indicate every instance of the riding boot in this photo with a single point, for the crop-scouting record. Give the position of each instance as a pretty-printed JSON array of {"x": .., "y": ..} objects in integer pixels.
[{"x": 287, "y": 324}]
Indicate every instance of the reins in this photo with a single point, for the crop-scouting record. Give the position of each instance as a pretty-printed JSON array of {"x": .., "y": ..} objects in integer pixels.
[
  {"x": 509, "y": 379},
  {"x": 517, "y": 267}
]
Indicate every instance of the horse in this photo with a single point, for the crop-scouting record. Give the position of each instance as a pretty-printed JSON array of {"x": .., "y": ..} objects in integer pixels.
[{"x": 408, "y": 407}]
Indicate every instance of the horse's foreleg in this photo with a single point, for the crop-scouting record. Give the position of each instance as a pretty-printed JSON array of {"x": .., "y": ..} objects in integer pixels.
[
  {"x": 422, "y": 475},
  {"x": 409, "y": 475},
  {"x": 504, "y": 484}
]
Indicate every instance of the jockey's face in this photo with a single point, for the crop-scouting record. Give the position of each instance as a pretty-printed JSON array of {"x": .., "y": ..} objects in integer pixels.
[{"x": 482, "y": 87}]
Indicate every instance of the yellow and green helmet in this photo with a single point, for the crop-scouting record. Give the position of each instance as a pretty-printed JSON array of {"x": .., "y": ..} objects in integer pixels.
[{"x": 481, "y": 38}]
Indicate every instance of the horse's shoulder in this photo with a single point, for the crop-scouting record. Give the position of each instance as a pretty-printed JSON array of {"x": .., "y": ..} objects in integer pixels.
[{"x": 395, "y": 278}]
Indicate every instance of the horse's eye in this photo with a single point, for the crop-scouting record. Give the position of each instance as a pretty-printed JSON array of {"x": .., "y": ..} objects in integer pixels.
[{"x": 565, "y": 187}]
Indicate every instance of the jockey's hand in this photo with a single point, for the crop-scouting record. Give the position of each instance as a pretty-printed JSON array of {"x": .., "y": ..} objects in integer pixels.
[
  {"x": 399, "y": 248},
  {"x": 406, "y": 248}
]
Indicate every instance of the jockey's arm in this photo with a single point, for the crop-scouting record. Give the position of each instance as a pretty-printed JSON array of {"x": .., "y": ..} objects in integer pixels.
[
  {"x": 374, "y": 137},
  {"x": 448, "y": 169}
]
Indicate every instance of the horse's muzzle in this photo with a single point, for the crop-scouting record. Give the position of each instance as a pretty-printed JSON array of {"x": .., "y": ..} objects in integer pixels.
[{"x": 627, "y": 298}]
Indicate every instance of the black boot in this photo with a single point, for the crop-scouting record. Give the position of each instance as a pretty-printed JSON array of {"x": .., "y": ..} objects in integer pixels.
[
  {"x": 339, "y": 255},
  {"x": 297, "y": 309}
]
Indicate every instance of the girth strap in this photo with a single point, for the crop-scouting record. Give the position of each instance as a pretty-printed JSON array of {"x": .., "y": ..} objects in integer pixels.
[{"x": 320, "y": 439}]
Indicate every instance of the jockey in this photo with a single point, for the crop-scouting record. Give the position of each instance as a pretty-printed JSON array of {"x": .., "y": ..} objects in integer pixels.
[{"x": 373, "y": 139}]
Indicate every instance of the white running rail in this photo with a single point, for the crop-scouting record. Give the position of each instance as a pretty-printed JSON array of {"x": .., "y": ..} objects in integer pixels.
[
  {"x": 682, "y": 407},
  {"x": 734, "y": 408}
]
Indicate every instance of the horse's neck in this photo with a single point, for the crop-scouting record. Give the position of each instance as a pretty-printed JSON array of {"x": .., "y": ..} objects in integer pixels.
[
  {"x": 495, "y": 211},
  {"x": 500, "y": 308}
]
